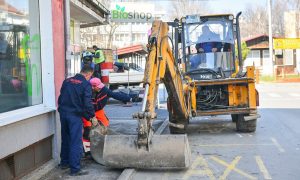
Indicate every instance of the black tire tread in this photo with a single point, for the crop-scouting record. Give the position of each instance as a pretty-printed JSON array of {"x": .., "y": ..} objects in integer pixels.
[{"x": 245, "y": 126}]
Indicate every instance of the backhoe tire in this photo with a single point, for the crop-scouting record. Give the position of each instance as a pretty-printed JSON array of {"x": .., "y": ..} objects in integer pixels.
[
  {"x": 245, "y": 126},
  {"x": 234, "y": 117}
]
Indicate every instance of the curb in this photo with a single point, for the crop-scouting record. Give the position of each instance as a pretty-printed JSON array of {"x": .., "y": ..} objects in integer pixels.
[{"x": 40, "y": 171}]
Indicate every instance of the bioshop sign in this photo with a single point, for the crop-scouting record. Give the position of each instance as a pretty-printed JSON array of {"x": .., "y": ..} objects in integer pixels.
[{"x": 131, "y": 12}]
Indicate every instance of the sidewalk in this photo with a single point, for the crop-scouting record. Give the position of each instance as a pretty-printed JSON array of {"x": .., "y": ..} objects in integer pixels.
[{"x": 120, "y": 121}]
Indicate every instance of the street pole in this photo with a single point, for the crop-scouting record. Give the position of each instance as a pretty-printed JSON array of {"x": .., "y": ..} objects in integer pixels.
[{"x": 270, "y": 37}]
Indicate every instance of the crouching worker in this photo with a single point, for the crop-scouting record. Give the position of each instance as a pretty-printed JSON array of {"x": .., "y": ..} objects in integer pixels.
[{"x": 101, "y": 94}]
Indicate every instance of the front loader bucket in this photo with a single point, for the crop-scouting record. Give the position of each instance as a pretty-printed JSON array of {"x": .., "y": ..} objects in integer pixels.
[{"x": 165, "y": 151}]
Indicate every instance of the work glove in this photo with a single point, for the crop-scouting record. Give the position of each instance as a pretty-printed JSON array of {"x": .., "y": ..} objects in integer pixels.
[
  {"x": 103, "y": 129},
  {"x": 94, "y": 122}
]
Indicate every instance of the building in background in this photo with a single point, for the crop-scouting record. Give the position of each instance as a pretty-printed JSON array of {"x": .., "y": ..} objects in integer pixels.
[
  {"x": 286, "y": 51},
  {"x": 33, "y": 41},
  {"x": 292, "y": 30},
  {"x": 286, "y": 59},
  {"x": 123, "y": 32},
  {"x": 259, "y": 53},
  {"x": 83, "y": 14}
]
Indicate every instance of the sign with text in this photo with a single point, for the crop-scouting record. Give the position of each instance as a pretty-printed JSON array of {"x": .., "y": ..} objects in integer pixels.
[
  {"x": 132, "y": 12},
  {"x": 287, "y": 43}
]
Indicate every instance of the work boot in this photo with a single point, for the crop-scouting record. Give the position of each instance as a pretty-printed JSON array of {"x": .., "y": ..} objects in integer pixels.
[
  {"x": 63, "y": 167},
  {"x": 79, "y": 173},
  {"x": 87, "y": 156}
]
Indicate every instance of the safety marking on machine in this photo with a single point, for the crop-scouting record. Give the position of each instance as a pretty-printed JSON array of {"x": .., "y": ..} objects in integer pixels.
[{"x": 200, "y": 168}]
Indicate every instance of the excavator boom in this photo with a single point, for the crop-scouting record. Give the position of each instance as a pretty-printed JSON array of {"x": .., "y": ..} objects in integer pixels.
[{"x": 147, "y": 150}]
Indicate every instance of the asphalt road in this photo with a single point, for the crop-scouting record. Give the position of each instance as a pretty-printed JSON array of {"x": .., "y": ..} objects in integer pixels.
[
  {"x": 272, "y": 152},
  {"x": 219, "y": 152}
]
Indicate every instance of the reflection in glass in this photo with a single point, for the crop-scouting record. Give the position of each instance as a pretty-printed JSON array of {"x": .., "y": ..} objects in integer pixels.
[{"x": 20, "y": 64}]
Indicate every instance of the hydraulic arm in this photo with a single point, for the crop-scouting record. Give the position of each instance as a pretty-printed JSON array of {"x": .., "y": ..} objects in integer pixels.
[
  {"x": 147, "y": 150},
  {"x": 161, "y": 67}
]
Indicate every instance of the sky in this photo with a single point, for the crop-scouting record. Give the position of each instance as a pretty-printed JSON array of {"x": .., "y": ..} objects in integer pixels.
[
  {"x": 217, "y": 6},
  {"x": 234, "y": 6},
  {"x": 19, "y": 4}
]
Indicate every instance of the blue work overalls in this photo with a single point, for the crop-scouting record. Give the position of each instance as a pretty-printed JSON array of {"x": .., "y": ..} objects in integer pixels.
[{"x": 74, "y": 102}]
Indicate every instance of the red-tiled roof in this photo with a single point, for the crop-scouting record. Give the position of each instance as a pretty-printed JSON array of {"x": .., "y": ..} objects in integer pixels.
[
  {"x": 132, "y": 49},
  {"x": 258, "y": 36},
  {"x": 259, "y": 46},
  {"x": 255, "y": 37},
  {"x": 7, "y": 7}
]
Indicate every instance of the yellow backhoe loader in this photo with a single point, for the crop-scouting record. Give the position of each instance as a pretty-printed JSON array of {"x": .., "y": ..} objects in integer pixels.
[{"x": 197, "y": 63}]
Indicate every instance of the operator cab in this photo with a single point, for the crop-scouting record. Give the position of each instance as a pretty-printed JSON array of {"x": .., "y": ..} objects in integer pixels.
[{"x": 209, "y": 46}]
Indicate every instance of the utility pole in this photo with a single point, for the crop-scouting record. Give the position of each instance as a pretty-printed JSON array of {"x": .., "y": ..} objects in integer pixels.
[{"x": 270, "y": 37}]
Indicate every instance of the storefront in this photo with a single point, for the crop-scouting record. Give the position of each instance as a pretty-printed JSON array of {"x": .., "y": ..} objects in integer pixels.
[
  {"x": 35, "y": 55},
  {"x": 31, "y": 72},
  {"x": 286, "y": 55}
]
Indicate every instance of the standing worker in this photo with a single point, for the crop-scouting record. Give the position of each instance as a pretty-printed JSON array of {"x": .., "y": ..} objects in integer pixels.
[
  {"x": 98, "y": 59},
  {"x": 74, "y": 102}
]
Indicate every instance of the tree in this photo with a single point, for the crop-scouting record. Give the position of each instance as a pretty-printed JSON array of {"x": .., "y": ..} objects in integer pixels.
[
  {"x": 245, "y": 50},
  {"x": 110, "y": 30},
  {"x": 181, "y": 8},
  {"x": 294, "y": 5},
  {"x": 255, "y": 19},
  {"x": 278, "y": 9}
]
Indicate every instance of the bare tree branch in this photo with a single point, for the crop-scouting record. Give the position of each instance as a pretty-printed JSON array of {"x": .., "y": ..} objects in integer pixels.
[{"x": 181, "y": 8}]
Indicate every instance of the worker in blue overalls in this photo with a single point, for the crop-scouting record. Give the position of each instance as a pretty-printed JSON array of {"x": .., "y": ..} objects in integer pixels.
[{"x": 74, "y": 102}]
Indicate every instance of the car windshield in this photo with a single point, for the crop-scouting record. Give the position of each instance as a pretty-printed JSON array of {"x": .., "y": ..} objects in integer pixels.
[{"x": 210, "y": 45}]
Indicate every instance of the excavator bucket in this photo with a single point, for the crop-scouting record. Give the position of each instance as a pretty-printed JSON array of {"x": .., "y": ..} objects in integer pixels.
[
  {"x": 97, "y": 137},
  {"x": 121, "y": 151},
  {"x": 165, "y": 151}
]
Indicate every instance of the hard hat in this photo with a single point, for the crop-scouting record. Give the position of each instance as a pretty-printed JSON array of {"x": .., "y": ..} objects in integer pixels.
[
  {"x": 87, "y": 56},
  {"x": 87, "y": 53},
  {"x": 96, "y": 82}
]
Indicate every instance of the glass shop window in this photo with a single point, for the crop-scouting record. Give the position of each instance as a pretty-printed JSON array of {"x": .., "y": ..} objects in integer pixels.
[{"x": 20, "y": 59}]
